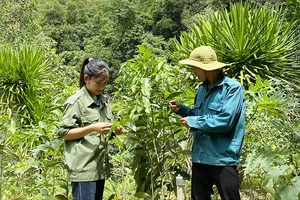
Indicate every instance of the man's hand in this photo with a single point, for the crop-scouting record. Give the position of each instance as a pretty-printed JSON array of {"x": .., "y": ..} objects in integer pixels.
[
  {"x": 183, "y": 121},
  {"x": 174, "y": 105}
]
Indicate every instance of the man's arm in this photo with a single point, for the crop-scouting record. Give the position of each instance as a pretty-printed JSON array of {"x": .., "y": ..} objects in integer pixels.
[{"x": 223, "y": 121}]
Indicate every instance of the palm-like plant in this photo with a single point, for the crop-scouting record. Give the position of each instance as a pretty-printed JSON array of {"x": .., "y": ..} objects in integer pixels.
[
  {"x": 256, "y": 40},
  {"x": 24, "y": 76}
]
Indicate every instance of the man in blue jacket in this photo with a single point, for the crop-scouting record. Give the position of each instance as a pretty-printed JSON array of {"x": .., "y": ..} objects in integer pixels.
[{"x": 217, "y": 122}]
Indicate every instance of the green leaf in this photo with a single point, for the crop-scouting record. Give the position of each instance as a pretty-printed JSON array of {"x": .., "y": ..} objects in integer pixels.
[
  {"x": 187, "y": 152},
  {"x": 115, "y": 126},
  {"x": 64, "y": 186},
  {"x": 61, "y": 197},
  {"x": 172, "y": 95},
  {"x": 291, "y": 192},
  {"x": 142, "y": 195},
  {"x": 146, "y": 105},
  {"x": 297, "y": 132},
  {"x": 145, "y": 87},
  {"x": 270, "y": 187},
  {"x": 12, "y": 127},
  {"x": 132, "y": 126},
  {"x": 111, "y": 197},
  {"x": 275, "y": 173},
  {"x": 42, "y": 125}
]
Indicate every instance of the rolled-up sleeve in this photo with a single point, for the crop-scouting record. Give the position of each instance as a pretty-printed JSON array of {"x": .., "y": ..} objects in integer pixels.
[
  {"x": 69, "y": 120},
  {"x": 227, "y": 116}
]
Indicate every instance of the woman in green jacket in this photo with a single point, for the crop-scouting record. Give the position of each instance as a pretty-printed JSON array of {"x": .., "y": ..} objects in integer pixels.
[{"x": 86, "y": 121}]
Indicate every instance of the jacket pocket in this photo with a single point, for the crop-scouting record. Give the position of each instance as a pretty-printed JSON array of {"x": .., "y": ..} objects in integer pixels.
[
  {"x": 89, "y": 119},
  {"x": 215, "y": 108}
]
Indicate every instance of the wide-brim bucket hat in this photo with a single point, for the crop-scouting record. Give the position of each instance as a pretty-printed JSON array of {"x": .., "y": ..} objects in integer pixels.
[{"x": 203, "y": 57}]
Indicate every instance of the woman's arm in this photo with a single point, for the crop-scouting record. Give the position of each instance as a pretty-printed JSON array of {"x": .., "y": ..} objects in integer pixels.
[{"x": 100, "y": 127}]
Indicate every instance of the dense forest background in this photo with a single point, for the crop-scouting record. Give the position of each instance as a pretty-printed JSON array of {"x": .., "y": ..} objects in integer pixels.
[{"x": 43, "y": 42}]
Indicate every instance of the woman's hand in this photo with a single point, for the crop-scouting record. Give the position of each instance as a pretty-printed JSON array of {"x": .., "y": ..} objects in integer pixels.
[
  {"x": 102, "y": 127},
  {"x": 174, "y": 105}
]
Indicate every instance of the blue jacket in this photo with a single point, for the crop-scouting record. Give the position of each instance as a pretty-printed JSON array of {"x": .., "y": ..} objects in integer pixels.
[{"x": 217, "y": 121}]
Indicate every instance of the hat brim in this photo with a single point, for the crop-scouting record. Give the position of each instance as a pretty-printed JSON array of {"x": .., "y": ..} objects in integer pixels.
[{"x": 213, "y": 65}]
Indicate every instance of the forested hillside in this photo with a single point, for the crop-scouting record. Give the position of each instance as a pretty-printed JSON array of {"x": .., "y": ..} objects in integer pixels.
[{"x": 44, "y": 42}]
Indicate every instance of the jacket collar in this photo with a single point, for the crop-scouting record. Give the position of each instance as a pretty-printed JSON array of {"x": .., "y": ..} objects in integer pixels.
[{"x": 89, "y": 100}]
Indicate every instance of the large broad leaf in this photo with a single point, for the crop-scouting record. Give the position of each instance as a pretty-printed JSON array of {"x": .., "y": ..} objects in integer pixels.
[
  {"x": 291, "y": 192},
  {"x": 275, "y": 173}
]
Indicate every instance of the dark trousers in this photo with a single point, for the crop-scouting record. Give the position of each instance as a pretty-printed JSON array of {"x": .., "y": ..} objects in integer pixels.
[
  {"x": 92, "y": 190},
  {"x": 224, "y": 177}
]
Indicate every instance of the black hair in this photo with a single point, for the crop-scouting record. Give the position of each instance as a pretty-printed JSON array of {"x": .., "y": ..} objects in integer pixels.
[{"x": 93, "y": 68}]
